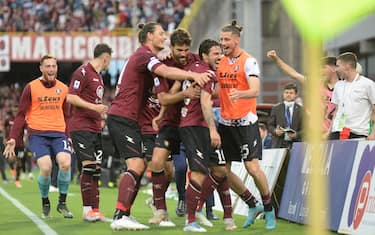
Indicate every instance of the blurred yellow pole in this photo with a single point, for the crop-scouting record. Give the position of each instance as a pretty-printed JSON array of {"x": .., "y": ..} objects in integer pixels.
[{"x": 313, "y": 130}]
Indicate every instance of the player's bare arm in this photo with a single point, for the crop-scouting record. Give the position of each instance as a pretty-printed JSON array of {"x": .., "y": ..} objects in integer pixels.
[
  {"x": 252, "y": 92},
  {"x": 79, "y": 102},
  {"x": 285, "y": 68},
  {"x": 178, "y": 74},
  {"x": 157, "y": 120},
  {"x": 206, "y": 104},
  {"x": 175, "y": 94}
]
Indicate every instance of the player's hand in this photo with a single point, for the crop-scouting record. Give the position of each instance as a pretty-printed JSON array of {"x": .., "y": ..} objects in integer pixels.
[
  {"x": 101, "y": 108},
  {"x": 164, "y": 54},
  {"x": 9, "y": 149},
  {"x": 215, "y": 139},
  {"x": 156, "y": 122},
  {"x": 193, "y": 91},
  {"x": 234, "y": 94},
  {"x": 201, "y": 78},
  {"x": 272, "y": 54}
]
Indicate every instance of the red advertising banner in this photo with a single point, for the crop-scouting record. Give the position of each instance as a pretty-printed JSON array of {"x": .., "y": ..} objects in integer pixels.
[{"x": 77, "y": 47}]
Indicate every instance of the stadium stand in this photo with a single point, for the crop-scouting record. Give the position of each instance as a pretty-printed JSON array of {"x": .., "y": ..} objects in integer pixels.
[{"x": 87, "y": 15}]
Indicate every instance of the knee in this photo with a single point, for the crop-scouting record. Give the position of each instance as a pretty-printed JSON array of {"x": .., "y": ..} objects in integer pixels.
[
  {"x": 219, "y": 171},
  {"x": 157, "y": 164},
  {"x": 255, "y": 172},
  {"x": 137, "y": 164},
  {"x": 64, "y": 166},
  {"x": 45, "y": 170}
]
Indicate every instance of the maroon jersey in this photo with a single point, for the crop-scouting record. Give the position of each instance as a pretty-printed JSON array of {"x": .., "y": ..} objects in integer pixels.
[
  {"x": 150, "y": 111},
  {"x": 133, "y": 85},
  {"x": 191, "y": 111},
  {"x": 88, "y": 85},
  {"x": 8, "y": 123},
  {"x": 172, "y": 115}
]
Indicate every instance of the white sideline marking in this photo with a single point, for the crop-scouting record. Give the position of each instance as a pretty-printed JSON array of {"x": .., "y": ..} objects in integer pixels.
[{"x": 40, "y": 223}]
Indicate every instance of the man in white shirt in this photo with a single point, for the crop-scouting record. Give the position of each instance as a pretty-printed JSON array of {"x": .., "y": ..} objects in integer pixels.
[{"x": 355, "y": 100}]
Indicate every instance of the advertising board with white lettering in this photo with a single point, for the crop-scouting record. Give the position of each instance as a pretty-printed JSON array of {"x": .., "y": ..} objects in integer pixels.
[
  {"x": 358, "y": 215},
  {"x": 337, "y": 166}
]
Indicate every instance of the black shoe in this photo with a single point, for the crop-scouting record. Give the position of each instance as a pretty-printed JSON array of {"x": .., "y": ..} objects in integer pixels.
[
  {"x": 181, "y": 208},
  {"x": 63, "y": 209},
  {"x": 46, "y": 209},
  {"x": 211, "y": 216}
]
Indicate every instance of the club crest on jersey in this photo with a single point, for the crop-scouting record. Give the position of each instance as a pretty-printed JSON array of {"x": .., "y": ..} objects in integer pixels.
[
  {"x": 58, "y": 91},
  {"x": 236, "y": 68},
  {"x": 100, "y": 92}
]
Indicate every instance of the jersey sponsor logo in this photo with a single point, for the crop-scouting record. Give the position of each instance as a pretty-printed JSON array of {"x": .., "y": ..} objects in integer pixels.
[
  {"x": 76, "y": 84},
  {"x": 226, "y": 75},
  {"x": 49, "y": 99},
  {"x": 229, "y": 84},
  {"x": 185, "y": 85}
]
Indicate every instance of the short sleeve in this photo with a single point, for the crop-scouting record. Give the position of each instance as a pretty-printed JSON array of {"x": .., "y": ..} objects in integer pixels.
[
  {"x": 252, "y": 67},
  {"x": 153, "y": 63},
  {"x": 161, "y": 84},
  {"x": 78, "y": 81}
]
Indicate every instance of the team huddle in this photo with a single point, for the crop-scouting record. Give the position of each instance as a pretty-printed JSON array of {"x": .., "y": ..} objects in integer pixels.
[{"x": 160, "y": 103}]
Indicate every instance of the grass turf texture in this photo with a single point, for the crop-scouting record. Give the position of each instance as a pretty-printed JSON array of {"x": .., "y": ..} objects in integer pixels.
[{"x": 14, "y": 222}]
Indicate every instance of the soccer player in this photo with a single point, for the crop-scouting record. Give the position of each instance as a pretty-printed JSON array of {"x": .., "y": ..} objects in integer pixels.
[
  {"x": 135, "y": 80},
  {"x": 151, "y": 110},
  {"x": 210, "y": 53},
  {"x": 198, "y": 134},
  {"x": 168, "y": 138},
  {"x": 43, "y": 106},
  {"x": 86, "y": 96},
  {"x": 238, "y": 75}
]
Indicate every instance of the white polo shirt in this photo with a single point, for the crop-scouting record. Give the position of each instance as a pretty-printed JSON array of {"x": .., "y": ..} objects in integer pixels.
[{"x": 355, "y": 100}]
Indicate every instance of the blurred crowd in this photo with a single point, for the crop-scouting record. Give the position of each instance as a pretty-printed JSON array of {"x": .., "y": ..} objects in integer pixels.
[
  {"x": 9, "y": 97},
  {"x": 88, "y": 15}
]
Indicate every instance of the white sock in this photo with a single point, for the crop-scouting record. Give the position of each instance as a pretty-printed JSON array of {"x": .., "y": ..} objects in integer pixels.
[{"x": 86, "y": 209}]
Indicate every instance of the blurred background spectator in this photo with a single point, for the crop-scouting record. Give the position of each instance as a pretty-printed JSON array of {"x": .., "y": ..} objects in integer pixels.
[{"x": 88, "y": 15}]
